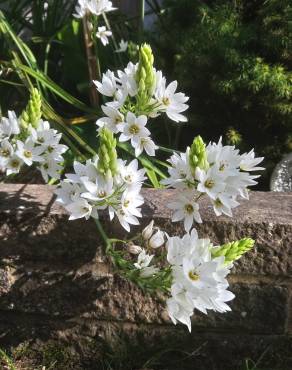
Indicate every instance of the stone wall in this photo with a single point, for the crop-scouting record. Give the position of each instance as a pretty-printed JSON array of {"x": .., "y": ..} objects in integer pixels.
[{"x": 57, "y": 289}]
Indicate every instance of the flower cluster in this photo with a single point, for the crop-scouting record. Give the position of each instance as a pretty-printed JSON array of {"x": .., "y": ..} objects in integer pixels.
[
  {"x": 217, "y": 171},
  {"x": 137, "y": 93},
  {"x": 96, "y": 7},
  {"x": 104, "y": 182},
  {"x": 199, "y": 279},
  {"x": 37, "y": 144}
]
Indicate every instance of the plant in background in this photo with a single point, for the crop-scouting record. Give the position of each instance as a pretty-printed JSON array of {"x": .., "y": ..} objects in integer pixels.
[
  {"x": 190, "y": 271},
  {"x": 233, "y": 58}
]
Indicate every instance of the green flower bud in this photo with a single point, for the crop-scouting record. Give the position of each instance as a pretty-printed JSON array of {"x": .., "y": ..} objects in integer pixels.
[
  {"x": 234, "y": 250},
  {"x": 198, "y": 154},
  {"x": 107, "y": 164},
  {"x": 145, "y": 76},
  {"x": 33, "y": 111}
]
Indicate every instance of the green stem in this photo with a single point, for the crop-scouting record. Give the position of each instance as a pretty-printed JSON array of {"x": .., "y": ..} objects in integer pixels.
[{"x": 103, "y": 235}]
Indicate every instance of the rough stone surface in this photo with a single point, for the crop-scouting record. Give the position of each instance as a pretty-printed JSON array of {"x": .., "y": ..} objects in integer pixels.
[{"x": 56, "y": 286}]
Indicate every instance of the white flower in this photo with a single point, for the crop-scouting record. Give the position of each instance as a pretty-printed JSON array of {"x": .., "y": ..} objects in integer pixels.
[
  {"x": 144, "y": 260},
  {"x": 146, "y": 272},
  {"x": 131, "y": 175},
  {"x": 78, "y": 209},
  {"x": 249, "y": 162},
  {"x": 225, "y": 158},
  {"x": 81, "y": 8},
  {"x": 124, "y": 218},
  {"x": 13, "y": 165},
  {"x": 6, "y": 152},
  {"x": 186, "y": 208},
  {"x": 134, "y": 129},
  {"x": 98, "y": 190},
  {"x": 88, "y": 170},
  {"x": 103, "y": 35},
  {"x": 237, "y": 185},
  {"x": 123, "y": 46},
  {"x": 171, "y": 102},
  {"x": 28, "y": 152},
  {"x": 179, "y": 248},
  {"x": 108, "y": 85},
  {"x": 210, "y": 182},
  {"x": 179, "y": 170},
  {"x": 148, "y": 231},
  {"x": 146, "y": 144},
  {"x": 68, "y": 193},
  {"x": 127, "y": 78},
  {"x": 96, "y": 7},
  {"x": 131, "y": 201},
  {"x": 223, "y": 204},
  {"x": 199, "y": 281},
  {"x": 179, "y": 307},
  {"x": 9, "y": 126},
  {"x": 50, "y": 167},
  {"x": 157, "y": 239},
  {"x": 114, "y": 120}
]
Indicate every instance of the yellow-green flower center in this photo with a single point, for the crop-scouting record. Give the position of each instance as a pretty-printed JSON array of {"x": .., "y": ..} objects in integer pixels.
[
  {"x": 4, "y": 152},
  {"x": 193, "y": 276},
  {"x": 166, "y": 101},
  {"x": 134, "y": 129},
  {"x": 14, "y": 163},
  {"x": 209, "y": 183},
  {"x": 218, "y": 202},
  {"x": 27, "y": 154},
  {"x": 189, "y": 208}
]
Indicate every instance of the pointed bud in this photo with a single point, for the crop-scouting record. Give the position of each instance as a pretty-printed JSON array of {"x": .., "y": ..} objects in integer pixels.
[
  {"x": 145, "y": 75},
  {"x": 234, "y": 250},
  {"x": 198, "y": 154},
  {"x": 107, "y": 154},
  {"x": 33, "y": 111},
  {"x": 134, "y": 249},
  {"x": 157, "y": 240},
  {"x": 148, "y": 231}
]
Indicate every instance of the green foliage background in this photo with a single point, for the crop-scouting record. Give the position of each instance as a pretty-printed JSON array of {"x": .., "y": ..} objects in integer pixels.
[
  {"x": 232, "y": 57},
  {"x": 234, "y": 60}
]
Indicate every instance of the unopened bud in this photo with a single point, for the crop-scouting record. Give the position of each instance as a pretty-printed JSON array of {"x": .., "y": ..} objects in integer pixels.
[
  {"x": 157, "y": 240},
  {"x": 134, "y": 249},
  {"x": 148, "y": 231}
]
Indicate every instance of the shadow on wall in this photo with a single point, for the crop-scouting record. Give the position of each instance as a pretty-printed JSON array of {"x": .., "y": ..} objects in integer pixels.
[{"x": 44, "y": 279}]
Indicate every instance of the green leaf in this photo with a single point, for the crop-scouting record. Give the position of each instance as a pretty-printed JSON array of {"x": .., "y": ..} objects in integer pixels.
[
  {"x": 153, "y": 178},
  {"x": 52, "y": 86}
]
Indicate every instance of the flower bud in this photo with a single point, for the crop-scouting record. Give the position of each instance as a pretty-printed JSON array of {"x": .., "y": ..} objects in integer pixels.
[
  {"x": 33, "y": 111},
  {"x": 134, "y": 249},
  {"x": 157, "y": 240},
  {"x": 198, "y": 154},
  {"x": 107, "y": 153},
  {"x": 147, "y": 232}
]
